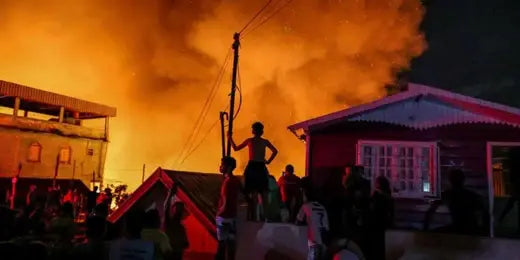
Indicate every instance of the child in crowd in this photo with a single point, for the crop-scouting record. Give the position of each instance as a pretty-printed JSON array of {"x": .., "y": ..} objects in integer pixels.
[
  {"x": 152, "y": 232},
  {"x": 227, "y": 210},
  {"x": 256, "y": 174},
  {"x": 274, "y": 201},
  {"x": 315, "y": 215},
  {"x": 177, "y": 231}
]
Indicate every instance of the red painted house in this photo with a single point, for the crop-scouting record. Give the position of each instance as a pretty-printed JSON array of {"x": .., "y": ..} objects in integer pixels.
[
  {"x": 199, "y": 192},
  {"x": 414, "y": 138}
]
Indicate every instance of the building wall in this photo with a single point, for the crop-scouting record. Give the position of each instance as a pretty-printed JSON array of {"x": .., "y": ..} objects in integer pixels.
[
  {"x": 14, "y": 150},
  {"x": 334, "y": 147}
]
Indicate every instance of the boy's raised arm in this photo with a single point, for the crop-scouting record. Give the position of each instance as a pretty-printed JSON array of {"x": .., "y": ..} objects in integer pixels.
[{"x": 239, "y": 147}]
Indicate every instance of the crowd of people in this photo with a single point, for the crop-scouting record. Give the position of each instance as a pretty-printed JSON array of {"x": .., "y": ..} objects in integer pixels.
[
  {"x": 349, "y": 222},
  {"x": 358, "y": 215},
  {"x": 47, "y": 226}
]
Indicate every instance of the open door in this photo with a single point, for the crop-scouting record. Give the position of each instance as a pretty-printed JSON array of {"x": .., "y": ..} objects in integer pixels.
[{"x": 504, "y": 206}]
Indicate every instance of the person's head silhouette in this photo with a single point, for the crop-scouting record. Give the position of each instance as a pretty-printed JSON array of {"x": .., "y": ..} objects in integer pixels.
[
  {"x": 457, "y": 179},
  {"x": 258, "y": 129}
]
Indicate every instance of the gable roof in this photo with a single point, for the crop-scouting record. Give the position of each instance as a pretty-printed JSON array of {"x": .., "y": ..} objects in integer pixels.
[
  {"x": 420, "y": 107},
  {"x": 199, "y": 192}
]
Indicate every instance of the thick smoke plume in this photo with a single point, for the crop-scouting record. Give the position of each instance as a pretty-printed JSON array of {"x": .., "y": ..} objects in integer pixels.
[{"x": 157, "y": 60}]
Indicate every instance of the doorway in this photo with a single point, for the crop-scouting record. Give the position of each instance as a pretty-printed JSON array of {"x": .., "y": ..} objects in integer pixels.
[{"x": 504, "y": 209}]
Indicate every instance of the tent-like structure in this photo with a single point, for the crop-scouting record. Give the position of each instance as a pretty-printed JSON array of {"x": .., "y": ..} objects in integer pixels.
[{"x": 199, "y": 192}]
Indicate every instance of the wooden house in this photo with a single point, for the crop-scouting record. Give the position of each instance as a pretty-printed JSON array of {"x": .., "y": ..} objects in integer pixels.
[{"x": 414, "y": 138}]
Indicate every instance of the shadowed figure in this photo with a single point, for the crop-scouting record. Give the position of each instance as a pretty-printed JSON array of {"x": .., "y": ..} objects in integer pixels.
[
  {"x": 227, "y": 211},
  {"x": 256, "y": 174},
  {"x": 290, "y": 189},
  {"x": 381, "y": 217},
  {"x": 514, "y": 179},
  {"x": 468, "y": 214},
  {"x": 356, "y": 206}
]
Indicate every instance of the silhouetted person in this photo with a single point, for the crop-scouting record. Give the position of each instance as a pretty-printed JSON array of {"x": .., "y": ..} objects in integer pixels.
[
  {"x": 152, "y": 232},
  {"x": 94, "y": 247},
  {"x": 290, "y": 189},
  {"x": 53, "y": 200},
  {"x": 274, "y": 201},
  {"x": 132, "y": 246},
  {"x": 31, "y": 195},
  {"x": 357, "y": 200},
  {"x": 92, "y": 198},
  {"x": 63, "y": 225},
  {"x": 467, "y": 211},
  {"x": 315, "y": 216},
  {"x": 170, "y": 200},
  {"x": 256, "y": 173},
  {"x": 514, "y": 179},
  {"x": 381, "y": 217},
  {"x": 177, "y": 232},
  {"x": 227, "y": 210}
]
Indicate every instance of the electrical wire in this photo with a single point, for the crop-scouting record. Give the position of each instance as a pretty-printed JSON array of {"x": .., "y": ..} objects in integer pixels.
[
  {"x": 275, "y": 12},
  {"x": 256, "y": 15},
  {"x": 239, "y": 88},
  {"x": 204, "y": 110},
  {"x": 210, "y": 129}
]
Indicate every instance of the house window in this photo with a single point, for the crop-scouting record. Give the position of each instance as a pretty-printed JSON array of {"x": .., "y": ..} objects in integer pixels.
[
  {"x": 35, "y": 151},
  {"x": 409, "y": 166},
  {"x": 90, "y": 151},
  {"x": 65, "y": 154}
]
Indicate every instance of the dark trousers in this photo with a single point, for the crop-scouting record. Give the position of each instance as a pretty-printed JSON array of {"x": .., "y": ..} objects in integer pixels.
[{"x": 226, "y": 250}]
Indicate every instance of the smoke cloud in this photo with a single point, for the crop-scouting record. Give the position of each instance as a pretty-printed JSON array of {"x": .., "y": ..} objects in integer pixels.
[{"x": 157, "y": 60}]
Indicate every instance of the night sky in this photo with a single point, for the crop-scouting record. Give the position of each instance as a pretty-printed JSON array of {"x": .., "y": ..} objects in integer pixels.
[{"x": 473, "y": 48}]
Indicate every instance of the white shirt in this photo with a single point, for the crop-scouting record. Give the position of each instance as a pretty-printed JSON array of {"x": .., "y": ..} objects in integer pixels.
[
  {"x": 317, "y": 221},
  {"x": 345, "y": 255}
]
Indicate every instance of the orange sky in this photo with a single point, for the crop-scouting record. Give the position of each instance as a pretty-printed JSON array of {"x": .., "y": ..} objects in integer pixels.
[{"x": 156, "y": 61}]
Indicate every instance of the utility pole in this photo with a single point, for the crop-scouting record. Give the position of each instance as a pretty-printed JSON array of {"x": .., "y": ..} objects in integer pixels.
[
  {"x": 56, "y": 169},
  {"x": 223, "y": 118},
  {"x": 236, "y": 45},
  {"x": 144, "y": 170}
]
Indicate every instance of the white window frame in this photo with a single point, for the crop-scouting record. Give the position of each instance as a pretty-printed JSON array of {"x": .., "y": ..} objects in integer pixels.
[{"x": 434, "y": 176}]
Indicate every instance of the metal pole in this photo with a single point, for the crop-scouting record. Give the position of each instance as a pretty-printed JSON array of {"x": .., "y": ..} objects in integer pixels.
[
  {"x": 93, "y": 179},
  {"x": 56, "y": 169},
  {"x": 236, "y": 45},
  {"x": 223, "y": 117},
  {"x": 144, "y": 169}
]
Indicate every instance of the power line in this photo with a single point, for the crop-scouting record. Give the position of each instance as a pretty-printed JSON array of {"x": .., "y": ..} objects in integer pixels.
[
  {"x": 256, "y": 15},
  {"x": 201, "y": 141},
  {"x": 275, "y": 12},
  {"x": 239, "y": 88},
  {"x": 203, "y": 112}
]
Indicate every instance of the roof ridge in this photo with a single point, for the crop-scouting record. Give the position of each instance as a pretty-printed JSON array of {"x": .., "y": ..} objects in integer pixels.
[{"x": 412, "y": 91}]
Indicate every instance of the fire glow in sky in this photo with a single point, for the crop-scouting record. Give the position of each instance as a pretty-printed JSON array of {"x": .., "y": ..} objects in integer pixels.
[{"x": 157, "y": 60}]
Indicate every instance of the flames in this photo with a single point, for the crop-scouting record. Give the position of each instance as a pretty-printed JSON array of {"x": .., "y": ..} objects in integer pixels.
[{"x": 156, "y": 61}]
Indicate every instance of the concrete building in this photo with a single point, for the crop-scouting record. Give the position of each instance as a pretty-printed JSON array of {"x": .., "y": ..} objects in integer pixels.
[{"x": 45, "y": 135}]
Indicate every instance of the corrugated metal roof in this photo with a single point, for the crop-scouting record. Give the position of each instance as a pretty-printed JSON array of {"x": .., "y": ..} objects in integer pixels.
[
  {"x": 53, "y": 99},
  {"x": 422, "y": 113},
  {"x": 467, "y": 110}
]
